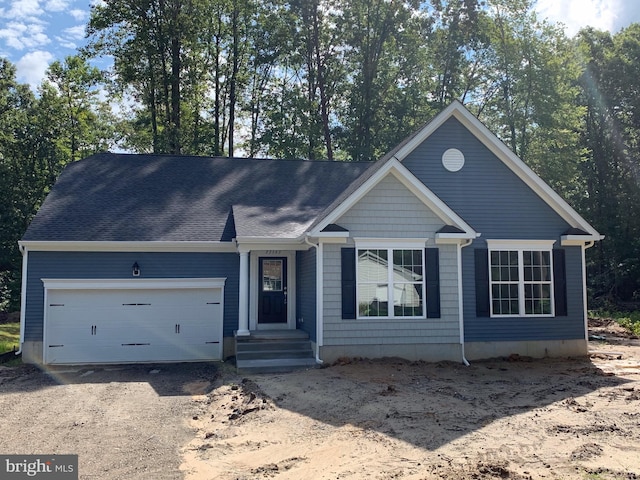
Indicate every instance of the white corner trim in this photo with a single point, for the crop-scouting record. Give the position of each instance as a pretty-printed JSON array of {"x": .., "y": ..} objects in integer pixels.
[
  {"x": 23, "y": 294},
  {"x": 129, "y": 283},
  {"x": 411, "y": 182}
]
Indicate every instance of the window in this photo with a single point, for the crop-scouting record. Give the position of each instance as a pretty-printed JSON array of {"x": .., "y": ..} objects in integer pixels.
[
  {"x": 521, "y": 279},
  {"x": 390, "y": 282}
]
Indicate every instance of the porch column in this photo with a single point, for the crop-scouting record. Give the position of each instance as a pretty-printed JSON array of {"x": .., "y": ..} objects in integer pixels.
[{"x": 243, "y": 306}]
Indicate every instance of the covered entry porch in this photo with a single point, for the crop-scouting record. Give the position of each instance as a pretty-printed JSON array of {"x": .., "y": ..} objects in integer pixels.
[{"x": 274, "y": 334}]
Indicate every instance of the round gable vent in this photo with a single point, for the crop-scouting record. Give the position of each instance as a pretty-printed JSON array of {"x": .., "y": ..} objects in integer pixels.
[{"x": 453, "y": 159}]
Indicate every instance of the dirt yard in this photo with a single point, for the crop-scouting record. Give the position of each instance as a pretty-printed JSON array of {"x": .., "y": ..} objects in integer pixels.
[{"x": 511, "y": 418}]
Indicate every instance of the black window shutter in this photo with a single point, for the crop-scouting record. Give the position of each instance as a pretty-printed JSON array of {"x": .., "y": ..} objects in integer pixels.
[
  {"x": 559, "y": 282},
  {"x": 482, "y": 282},
  {"x": 348, "y": 265},
  {"x": 432, "y": 260}
]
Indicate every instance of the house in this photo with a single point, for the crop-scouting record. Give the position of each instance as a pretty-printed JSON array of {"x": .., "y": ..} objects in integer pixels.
[{"x": 448, "y": 248}]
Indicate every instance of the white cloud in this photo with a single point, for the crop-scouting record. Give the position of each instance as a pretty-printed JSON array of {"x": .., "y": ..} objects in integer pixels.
[
  {"x": 32, "y": 67},
  {"x": 66, "y": 43},
  {"x": 78, "y": 14},
  {"x": 56, "y": 5},
  {"x": 22, "y": 36},
  {"x": 75, "y": 32},
  {"x": 24, "y": 10},
  {"x": 576, "y": 14}
]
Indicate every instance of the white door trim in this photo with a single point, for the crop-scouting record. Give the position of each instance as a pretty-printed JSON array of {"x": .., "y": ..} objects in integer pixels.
[{"x": 254, "y": 285}]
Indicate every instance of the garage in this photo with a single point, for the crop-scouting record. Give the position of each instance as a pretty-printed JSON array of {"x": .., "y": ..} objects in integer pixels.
[{"x": 129, "y": 321}]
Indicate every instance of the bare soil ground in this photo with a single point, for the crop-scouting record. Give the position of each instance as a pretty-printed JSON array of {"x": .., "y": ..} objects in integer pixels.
[{"x": 508, "y": 418}]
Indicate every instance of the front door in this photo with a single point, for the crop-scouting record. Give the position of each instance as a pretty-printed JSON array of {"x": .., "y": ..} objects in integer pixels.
[{"x": 272, "y": 295}]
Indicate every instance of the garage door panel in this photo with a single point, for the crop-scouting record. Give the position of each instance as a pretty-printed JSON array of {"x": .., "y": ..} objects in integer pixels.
[{"x": 121, "y": 326}]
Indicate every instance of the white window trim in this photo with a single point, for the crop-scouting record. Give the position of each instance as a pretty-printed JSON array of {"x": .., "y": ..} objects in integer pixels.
[
  {"x": 520, "y": 246},
  {"x": 390, "y": 245}
]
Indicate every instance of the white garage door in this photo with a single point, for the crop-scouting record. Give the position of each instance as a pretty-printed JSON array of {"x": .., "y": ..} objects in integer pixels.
[{"x": 133, "y": 324}]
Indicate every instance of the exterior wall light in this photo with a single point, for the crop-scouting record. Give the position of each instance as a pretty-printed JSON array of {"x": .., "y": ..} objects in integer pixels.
[{"x": 136, "y": 269}]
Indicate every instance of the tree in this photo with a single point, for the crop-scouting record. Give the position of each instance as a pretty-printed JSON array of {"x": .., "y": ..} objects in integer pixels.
[
  {"x": 73, "y": 84},
  {"x": 146, "y": 39},
  {"x": 375, "y": 34},
  {"x": 610, "y": 136}
]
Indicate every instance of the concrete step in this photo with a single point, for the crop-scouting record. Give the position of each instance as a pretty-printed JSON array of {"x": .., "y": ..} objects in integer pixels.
[
  {"x": 273, "y": 335},
  {"x": 273, "y": 354},
  {"x": 263, "y": 346},
  {"x": 277, "y": 365},
  {"x": 274, "y": 351}
]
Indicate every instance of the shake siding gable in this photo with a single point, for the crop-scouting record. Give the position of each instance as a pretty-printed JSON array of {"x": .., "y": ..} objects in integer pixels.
[{"x": 389, "y": 210}]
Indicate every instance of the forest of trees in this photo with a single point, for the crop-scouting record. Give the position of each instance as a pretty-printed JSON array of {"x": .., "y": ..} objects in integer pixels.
[{"x": 335, "y": 80}]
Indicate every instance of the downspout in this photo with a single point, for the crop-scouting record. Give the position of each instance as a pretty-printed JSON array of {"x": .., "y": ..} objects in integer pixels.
[
  {"x": 459, "y": 248},
  {"x": 319, "y": 279},
  {"x": 23, "y": 294}
]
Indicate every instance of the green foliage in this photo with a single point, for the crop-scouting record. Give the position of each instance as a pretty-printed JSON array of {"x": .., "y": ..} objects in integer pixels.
[
  {"x": 38, "y": 137},
  {"x": 9, "y": 336},
  {"x": 339, "y": 80},
  {"x": 627, "y": 319}
]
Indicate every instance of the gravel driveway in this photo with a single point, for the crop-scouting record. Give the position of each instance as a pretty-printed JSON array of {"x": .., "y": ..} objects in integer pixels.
[{"x": 124, "y": 422}]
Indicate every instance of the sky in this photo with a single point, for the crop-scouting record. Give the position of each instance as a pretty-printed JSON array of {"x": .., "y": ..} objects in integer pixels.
[{"x": 33, "y": 33}]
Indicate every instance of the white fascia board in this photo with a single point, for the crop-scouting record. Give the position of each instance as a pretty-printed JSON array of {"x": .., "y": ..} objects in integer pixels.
[
  {"x": 128, "y": 283},
  {"x": 332, "y": 235},
  {"x": 454, "y": 238},
  {"x": 409, "y": 180},
  {"x": 367, "y": 242},
  {"x": 44, "y": 246},
  {"x": 335, "y": 240},
  {"x": 504, "y": 153},
  {"x": 578, "y": 240},
  {"x": 248, "y": 244},
  {"x": 509, "y": 244}
]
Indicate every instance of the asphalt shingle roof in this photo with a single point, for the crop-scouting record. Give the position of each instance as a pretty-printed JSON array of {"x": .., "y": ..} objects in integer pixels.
[{"x": 122, "y": 197}]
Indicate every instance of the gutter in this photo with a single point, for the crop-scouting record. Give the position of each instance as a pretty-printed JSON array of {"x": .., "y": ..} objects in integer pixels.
[
  {"x": 319, "y": 279},
  {"x": 459, "y": 248},
  {"x": 23, "y": 294}
]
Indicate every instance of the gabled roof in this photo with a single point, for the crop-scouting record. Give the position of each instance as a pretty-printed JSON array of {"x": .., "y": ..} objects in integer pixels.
[
  {"x": 167, "y": 198},
  {"x": 371, "y": 178},
  {"x": 493, "y": 143},
  {"x": 163, "y": 198}
]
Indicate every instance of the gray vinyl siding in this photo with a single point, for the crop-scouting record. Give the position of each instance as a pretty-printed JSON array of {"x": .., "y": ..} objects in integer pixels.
[
  {"x": 389, "y": 210},
  {"x": 498, "y": 205},
  {"x": 526, "y": 328},
  {"x": 113, "y": 265},
  {"x": 306, "y": 291}
]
